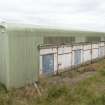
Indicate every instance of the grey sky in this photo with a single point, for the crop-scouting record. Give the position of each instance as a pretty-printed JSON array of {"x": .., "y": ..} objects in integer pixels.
[{"x": 76, "y": 14}]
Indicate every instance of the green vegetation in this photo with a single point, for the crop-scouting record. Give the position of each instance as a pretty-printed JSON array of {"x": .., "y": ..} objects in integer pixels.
[{"x": 76, "y": 89}]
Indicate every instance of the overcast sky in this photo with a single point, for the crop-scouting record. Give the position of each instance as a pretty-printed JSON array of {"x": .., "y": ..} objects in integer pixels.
[{"x": 77, "y": 14}]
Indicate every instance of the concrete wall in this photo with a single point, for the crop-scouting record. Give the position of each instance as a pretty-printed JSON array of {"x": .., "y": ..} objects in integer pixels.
[{"x": 64, "y": 55}]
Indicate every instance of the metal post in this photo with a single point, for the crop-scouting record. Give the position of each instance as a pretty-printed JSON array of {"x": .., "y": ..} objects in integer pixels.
[
  {"x": 98, "y": 49},
  {"x": 71, "y": 55},
  {"x": 83, "y": 53},
  {"x": 104, "y": 49},
  {"x": 91, "y": 53},
  {"x": 57, "y": 63}
]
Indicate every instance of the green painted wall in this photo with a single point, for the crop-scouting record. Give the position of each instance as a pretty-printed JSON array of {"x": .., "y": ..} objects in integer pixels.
[
  {"x": 24, "y": 57},
  {"x": 52, "y": 32},
  {"x": 4, "y": 59}
]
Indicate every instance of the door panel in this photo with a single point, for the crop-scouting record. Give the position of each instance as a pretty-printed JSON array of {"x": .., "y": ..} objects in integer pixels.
[
  {"x": 101, "y": 51},
  {"x": 48, "y": 64},
  {"x": 77, "y": 57}
]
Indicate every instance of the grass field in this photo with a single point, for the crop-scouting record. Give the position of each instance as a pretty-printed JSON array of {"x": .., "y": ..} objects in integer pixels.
[{"x": 85, "y": 86}]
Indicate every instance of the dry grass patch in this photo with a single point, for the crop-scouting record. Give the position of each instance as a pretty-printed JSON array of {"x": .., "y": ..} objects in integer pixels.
[{"x": 85, "y": 86}]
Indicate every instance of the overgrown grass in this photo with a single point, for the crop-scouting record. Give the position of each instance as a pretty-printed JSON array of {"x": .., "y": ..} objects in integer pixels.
[{"x": 90, "y": 91}]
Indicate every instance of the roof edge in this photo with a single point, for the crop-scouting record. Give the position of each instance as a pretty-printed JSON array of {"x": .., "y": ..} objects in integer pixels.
[{"x": 16, "y": 26}]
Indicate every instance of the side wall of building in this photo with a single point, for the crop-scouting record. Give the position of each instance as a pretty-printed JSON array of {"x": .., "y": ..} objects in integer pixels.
[
  {"x": 24, "y": 57},
  {"x": 4, "y": 58},
  {"x": 55, "y": 59}
]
